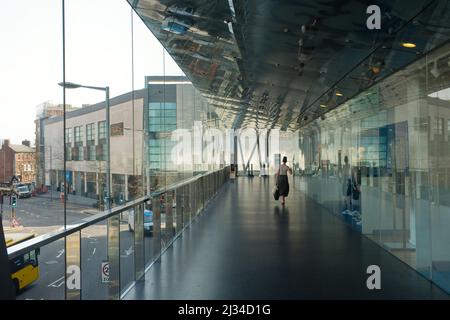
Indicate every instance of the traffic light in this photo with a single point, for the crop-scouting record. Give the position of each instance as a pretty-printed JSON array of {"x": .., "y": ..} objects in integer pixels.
[{"x": 14, "y": 201}]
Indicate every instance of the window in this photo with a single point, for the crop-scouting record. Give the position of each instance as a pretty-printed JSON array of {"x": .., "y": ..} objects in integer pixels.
[
  {"x": 101, "y": 152},
  {"x": 162, "y": 116},
  {"x": 80, "y": 153},
  {"x": 170, "y": 113},
  {"x": 33, "y": 257},
  {"x": 154, "y": 113},
  {"x": 92, "y": 153},
  {"x": 170, "y": 127},
  {"x": 69, "y": 154},
  {"x": 78, "y": 133},
  {"x": 102, "y": 130},
  {"x": 155, "y": 143},
  {"x": 155, "y": 120},
  {"x": 438, "y": 126},
  {"x": 78, "y": 136},
  {"x": 90, "y": 133},
  {"x": 69, "y": 136}
]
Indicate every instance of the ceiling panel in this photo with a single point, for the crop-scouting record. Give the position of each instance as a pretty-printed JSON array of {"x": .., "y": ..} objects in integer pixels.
[{"x": 283, "y": 63}]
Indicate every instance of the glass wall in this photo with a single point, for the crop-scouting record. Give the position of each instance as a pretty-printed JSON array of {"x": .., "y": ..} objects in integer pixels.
[
  {"x": 112, "y": 120},
  {"x": 109, "y": 118},
  {"x": 381, "y": 162}
]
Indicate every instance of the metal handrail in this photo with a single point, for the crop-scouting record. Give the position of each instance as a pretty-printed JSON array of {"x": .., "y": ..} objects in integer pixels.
[{"x": 42, "y": 240}]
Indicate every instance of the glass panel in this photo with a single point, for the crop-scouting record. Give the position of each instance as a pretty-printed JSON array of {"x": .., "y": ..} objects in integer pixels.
[
  {"x": 170, "y": 218},
  {"x": 156, "y": 201},
  {"x": 73, "y": 264},
  {"x": 94, "y": 267},
  {"x": 178, "y": 207},
  {"x": 379, "y": 162},
  {"x": 164, "y": 225},
  {"x": 186, "y": 205},
  {"x": 127, "y": 238},
  {"x": 139, "y": 255},
  {"x": 25, "y": 155},
  {"x": 113, "y": 259},
  {"x": 46, "y": 277},
  {"x": 149, "y": 238},
  {"x": 438, "y": 107}
]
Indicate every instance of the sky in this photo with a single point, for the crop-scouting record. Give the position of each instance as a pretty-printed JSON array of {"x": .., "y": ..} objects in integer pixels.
[{"x": 98, "y": 53}]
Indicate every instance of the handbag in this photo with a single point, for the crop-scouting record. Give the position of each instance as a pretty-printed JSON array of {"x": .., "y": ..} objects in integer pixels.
[{"x": 275, "y": 192}]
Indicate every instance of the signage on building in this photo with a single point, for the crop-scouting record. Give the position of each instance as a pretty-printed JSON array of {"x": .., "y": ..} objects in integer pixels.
[{"x": 117, "y": 129}]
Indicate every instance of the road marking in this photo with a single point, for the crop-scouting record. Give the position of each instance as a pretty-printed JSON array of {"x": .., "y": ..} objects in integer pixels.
[
  {"x": 86, "y": 234},
  {"x": 51, "y": 262},
  {"x": 93, "y": 252},
  {"x": 55, "y": 283},
  {"x": 60, "y": 253}
]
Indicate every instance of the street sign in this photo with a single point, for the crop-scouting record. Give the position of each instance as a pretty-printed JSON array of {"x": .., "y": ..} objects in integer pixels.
[{"x": 105, "y": 271}]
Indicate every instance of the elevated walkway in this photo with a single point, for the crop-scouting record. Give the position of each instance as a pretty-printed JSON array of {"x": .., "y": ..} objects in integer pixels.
[{"x": 247, "y": 246}]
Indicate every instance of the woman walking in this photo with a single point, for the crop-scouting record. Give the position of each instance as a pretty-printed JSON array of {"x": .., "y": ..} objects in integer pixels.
[{"x": 282, "y": 180}]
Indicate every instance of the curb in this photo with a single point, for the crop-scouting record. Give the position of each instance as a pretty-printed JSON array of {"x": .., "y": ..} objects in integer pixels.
[{"x": 12, "y": 229}]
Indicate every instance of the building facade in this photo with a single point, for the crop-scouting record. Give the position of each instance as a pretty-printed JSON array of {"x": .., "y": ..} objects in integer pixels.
[
  {"x": 140, "y": 120},
  {"x": 17, "y": 160},
  {"x": 44, "y": 111},
  {"x": 85, "y": 146}
]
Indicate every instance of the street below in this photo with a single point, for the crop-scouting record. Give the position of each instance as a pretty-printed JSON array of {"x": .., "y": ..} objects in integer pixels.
[{"x": 40, "y": 215}]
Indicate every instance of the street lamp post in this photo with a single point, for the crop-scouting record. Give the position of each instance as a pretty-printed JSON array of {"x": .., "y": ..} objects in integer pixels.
[{"x": 71, "y": 85}]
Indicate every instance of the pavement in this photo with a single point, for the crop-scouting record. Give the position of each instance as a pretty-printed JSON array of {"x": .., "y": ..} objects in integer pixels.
[{"x": 73, "y": 199}]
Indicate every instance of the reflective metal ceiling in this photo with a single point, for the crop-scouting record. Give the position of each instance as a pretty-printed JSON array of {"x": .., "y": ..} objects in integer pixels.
[{"x": 283, "y": 63}]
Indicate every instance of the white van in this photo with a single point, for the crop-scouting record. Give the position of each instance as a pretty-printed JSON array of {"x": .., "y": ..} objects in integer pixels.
[{"x": 148, "y": 221}]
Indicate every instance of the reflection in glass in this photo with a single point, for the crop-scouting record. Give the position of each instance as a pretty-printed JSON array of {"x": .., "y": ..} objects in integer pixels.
[
  {"x": 73, "y": 265},
  {"x": 94, "y": 255},
  {"x": 395, "y": 137},
  {"x": 50, "y": 283}
]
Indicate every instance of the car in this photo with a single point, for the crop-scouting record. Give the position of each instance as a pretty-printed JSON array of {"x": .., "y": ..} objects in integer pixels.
[
  {"x": 22, "y": 191},
  {"x": 148, "y": 221}
]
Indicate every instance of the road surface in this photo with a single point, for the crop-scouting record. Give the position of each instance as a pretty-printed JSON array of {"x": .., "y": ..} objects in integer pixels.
[{"x": 42, "y": 215}]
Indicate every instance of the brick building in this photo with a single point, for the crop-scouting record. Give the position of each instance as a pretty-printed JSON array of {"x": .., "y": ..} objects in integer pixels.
[{"x": 17, "y": 160}]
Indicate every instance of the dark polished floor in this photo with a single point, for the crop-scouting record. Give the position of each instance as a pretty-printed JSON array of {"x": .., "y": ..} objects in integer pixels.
[{"x": 246, "y": 246}]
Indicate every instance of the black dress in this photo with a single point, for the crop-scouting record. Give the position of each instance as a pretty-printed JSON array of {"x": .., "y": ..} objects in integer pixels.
[{"x": 283, "y": 185}]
